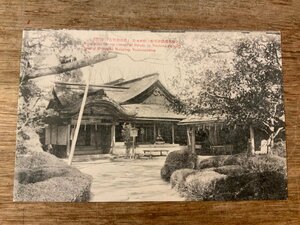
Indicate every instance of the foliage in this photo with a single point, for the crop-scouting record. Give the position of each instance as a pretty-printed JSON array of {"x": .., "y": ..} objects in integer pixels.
[
  {"x": 222, "y": 160},
  {"x": 40, "y": 49},
  {"x": 266, "y": 185},
  {"x": 249, "y": 91},
  {"x": 255, "y": 177},
  {"x": 279, "y": 149},
  {"x": 257, "y": 163},
  {"x": 40, "y": 176},
  {"x": 177, "y": 179},
  {"x": 200, "y": 185},
  {"x": 178, "y": 160}
]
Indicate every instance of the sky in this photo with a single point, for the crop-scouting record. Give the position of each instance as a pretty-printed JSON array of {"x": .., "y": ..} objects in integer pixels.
[{"x": 144, "y": 52}]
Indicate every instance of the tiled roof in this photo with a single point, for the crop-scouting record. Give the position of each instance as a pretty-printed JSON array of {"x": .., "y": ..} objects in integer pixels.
[
  {"x": 135, "y": 87},
  {"x": 68, "y": 97}
]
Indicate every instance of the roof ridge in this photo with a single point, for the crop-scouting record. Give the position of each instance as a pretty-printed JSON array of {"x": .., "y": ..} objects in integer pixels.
[{"x": 137, "y": 79}]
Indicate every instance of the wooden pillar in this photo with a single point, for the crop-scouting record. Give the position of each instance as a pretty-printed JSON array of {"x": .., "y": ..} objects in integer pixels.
[
  {"x": 193, "y": 141},
  {"x": 50, "y": 131},
  {"x": 113, "y": 138},
  {"x": 68, "y": 139},
  {"x": 79, "y": 119},
  {"x": 188, "y": 137},
  {"x": 173, "y": 134},
  {"x": 154, "y": 132},
  {"x": 252, "y": 141}
]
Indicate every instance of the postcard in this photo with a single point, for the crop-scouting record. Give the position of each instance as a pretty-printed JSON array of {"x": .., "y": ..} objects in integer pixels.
[{"x": 113, "y": 116}]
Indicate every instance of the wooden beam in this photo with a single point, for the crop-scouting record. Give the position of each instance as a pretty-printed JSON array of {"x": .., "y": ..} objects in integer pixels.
[
  {"x": 79, "y": 119},
  {"x": 35, "y": 73}
]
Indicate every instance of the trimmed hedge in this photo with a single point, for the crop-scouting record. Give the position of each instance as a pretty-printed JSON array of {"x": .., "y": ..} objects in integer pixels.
[
  {"x": 268, "y": 185},
  {"x": 257, "y": 163},
  {"x": 200, "y": 185},
  {"x": 40, "y": 176},
  {"x": 235, "y": 177},
  {"x": 222, "y": 160},
  {"x": 177, "y": 179},
  {"x": 178, "y": 160}
]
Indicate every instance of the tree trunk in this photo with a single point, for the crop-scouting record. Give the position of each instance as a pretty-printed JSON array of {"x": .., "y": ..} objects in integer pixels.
[
  {"x": 252, "y": 141},
  {"x": 272, "y": 137},
  {"x": 35, "y": 73}
]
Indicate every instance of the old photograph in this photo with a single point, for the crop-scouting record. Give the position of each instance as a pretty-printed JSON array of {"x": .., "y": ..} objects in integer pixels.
[{"x": 117, "y": 116}]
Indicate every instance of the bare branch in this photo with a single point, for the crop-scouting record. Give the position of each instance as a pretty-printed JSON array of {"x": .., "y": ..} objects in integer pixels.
[
  {"x": 278, "y": 131},
  {"x": 35, "y": 73}
]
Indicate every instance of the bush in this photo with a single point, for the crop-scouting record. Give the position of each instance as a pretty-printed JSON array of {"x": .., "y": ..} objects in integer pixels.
[
  {"x": 40, "y": 176},
  {"x": 279, "y": 149},
  {"x": 230, "y": 170},
  {"x": 264, "y": 163},
  {"x": 258, "y": 185},
  {"x": 222, "y": 160},
  {"x": 253, "y": 177},
  {"x": 28, "y": 141},
  {"x": 178, "y": 160},
  {"x": 257, "y": 163},
  {"x": 210, "y": 185},
  {"x": 201, "y": 185},
  {"x": 56, "y": 189},
  {"x": 178, "y": 177}
]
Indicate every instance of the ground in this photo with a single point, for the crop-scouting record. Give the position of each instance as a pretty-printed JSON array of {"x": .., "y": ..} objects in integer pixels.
[{"x": 130, "y": 180}]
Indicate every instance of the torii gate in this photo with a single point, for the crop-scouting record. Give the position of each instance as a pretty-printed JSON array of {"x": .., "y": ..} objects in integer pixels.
[{"x": 35, "y": 73}]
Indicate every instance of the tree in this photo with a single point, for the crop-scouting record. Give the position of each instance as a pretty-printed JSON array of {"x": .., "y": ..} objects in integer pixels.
[
  {"x": 38, "y": 47},
  {"x": 248, "y": 93}
]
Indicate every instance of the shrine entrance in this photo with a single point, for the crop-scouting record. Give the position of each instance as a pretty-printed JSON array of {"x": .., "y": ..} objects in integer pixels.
[{"x": 93, "y": 139}]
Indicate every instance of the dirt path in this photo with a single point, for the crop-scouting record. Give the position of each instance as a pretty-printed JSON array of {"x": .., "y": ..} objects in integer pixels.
[{"x": 136, "y": 180}]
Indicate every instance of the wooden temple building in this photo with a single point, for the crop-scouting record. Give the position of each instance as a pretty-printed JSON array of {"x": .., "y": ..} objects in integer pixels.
[{"x": 142, "y": 102}]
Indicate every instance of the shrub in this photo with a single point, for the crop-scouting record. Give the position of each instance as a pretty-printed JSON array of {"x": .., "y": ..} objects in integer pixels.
[
  {"x": 28, "y": 141},
  {"x": 56, "y": 189},
  {"x": 264, "y": 163},
  {"x": 40, "y": 176},
  {"x": 279, "y": 149},
  {"x": 256, "y": 185},
  {"x": 253, "y": 177},
  {"x": 230, "y": 170},
  {"x": 222, "y": 160},
  {"x": 249, "y": 163},
  {"x": 178, "y": 177},
  {"x": 201, "y": 185},
  {"x": 178, "y": 160}
]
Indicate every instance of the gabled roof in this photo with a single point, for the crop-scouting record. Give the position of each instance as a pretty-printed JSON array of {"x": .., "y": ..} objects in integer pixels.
[
  {"x": 68, "y": 102},
  {"x": 136, "y": 87},
  {"x": 119, "y": 90},
  {"x": 123, "y": 95}
]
